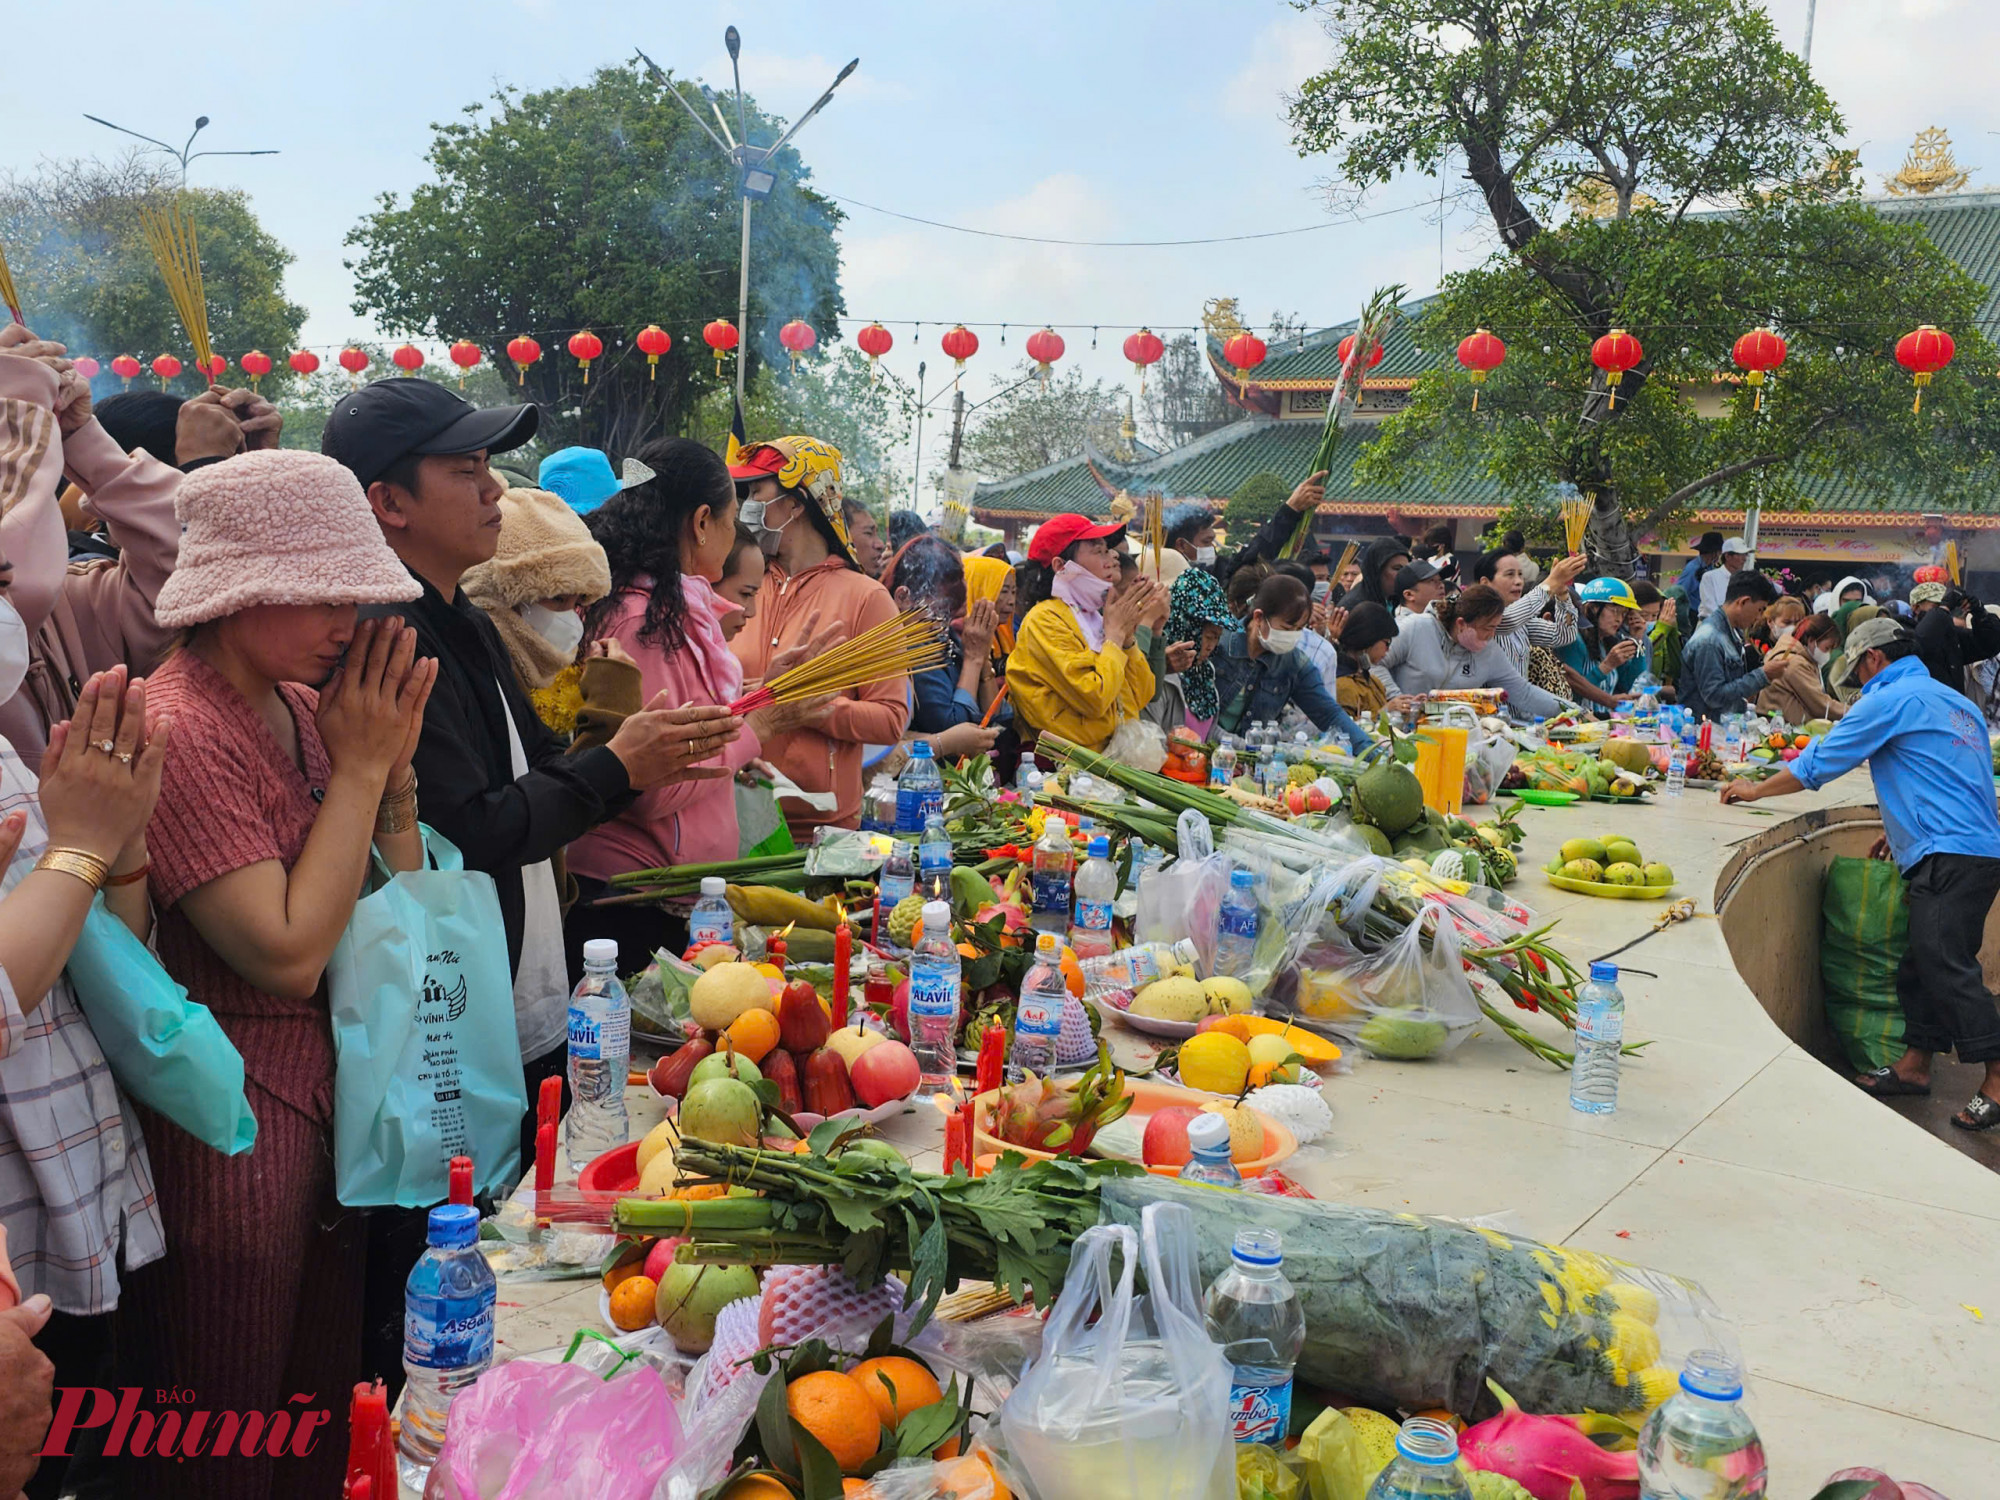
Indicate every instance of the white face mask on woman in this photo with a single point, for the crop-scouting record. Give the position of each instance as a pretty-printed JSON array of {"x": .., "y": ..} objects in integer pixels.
[
  {"x": 1281, "y": 642},
  {"x": 13, "y": 649},
  {"x": 564, "y": 630},
  {"x": 1821, "y": 656},
  {"x": 1204, "y": 557}
]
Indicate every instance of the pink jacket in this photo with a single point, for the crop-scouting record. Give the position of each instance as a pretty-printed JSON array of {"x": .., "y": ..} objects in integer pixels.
[
  {"x": 88, "y": 616},
  {"x": 685, "y": 822}
]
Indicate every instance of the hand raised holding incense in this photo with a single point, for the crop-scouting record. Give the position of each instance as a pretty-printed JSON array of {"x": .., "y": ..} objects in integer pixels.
[
  {"x": 262, "y": 423},
  {"x": 206, "y": 428},
  {"x": 664, "y": 744},
  {"x": 1564, "y": 571}
]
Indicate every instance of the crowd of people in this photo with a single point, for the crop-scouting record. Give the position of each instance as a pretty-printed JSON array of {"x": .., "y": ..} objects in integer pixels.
[{"x": 234, "y": 677}]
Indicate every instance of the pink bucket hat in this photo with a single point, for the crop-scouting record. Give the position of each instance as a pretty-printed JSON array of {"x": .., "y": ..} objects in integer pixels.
[{"x": 279, "y": 526}]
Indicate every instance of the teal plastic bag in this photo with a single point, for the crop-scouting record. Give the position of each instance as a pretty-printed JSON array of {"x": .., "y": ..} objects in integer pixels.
[
  {"x": 427, "y": 1065},
  {"x": 166, "y": 1051}
]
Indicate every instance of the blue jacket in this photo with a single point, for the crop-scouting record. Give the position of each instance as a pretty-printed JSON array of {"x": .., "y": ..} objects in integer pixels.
[
  {"x": 1271, "y": 681},
  {"x": 1927, "y": 749},
  {"x": 1714, "y": 680},
  {"x": 938, "y": 701},
  {"x": 1690, "y": 581}
]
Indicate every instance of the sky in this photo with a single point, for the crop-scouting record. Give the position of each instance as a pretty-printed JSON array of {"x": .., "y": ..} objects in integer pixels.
[{"x": 1111, "y": 119}]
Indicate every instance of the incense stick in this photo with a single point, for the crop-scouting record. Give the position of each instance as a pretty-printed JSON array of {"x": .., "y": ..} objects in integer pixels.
[
  {"x": 994, "y": 707},
  {"x": 1575, "y": 518},
  {"x": 1347, "y": 555},
  {"x": 1951, "y": 563},
  {"x": 7, "y": 293},
  {"x": 171, "y": 237},
  {"x": 898, "y": 647},
  {"x": 1156, "y": 527}
]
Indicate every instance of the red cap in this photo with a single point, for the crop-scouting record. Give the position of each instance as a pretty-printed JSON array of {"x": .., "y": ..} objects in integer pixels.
[
  {"x": 1059, "y": 532},
  {"x": 761, "y": 462}
]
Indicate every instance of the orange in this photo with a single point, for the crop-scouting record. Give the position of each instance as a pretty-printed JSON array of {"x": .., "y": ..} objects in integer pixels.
[
  {"x": 757, "y": 1487},
  {"x": 700, "y": 1192},
  {"x": 633, "y": 1262},
  {"x": 632, "y": 1303},
  {"x": 1072, "y": 971},
  {"x": 753, "y": 1034},
  {"x": 836, "y": 1410},
  {"x": 850, "y": 1488},
  {"x": 971, "y": 1478},
  {"x": 899, "y": 1386},
  {"x": 1236, "y": 1026}
]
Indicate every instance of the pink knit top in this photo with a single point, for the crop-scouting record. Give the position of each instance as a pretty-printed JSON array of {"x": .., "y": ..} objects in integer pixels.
[{"x": 230, "y": 797}]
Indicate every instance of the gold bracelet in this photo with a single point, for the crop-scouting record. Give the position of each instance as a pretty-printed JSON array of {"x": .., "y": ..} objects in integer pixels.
[
  {"x": 397, "y": 812},
  {"x": 81, "y": 863}
]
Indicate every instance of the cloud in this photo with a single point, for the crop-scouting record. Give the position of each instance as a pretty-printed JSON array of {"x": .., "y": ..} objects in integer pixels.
[{"x": 1283, "y": 55}]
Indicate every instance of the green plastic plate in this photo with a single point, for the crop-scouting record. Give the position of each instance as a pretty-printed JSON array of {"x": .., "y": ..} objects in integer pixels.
[
  {"x": 1615, "y": 892},
  {"x": 1537, "y": 798}
]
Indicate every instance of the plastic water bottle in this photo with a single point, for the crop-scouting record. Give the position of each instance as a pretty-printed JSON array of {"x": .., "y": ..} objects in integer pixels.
[
  {"x": 1677, "y": 768},
  {"x": 1700, "y": 1442},
  {"x": 1096, "y": 889},
  {"x": 1138, "y": 966},
  {"x": 1222, "y": 763},
  {"x": 1236, "y": 926},
  {"x": 1038, "y": 1015},
  {"x": 1025, "y": 777},
  {"x": 1209, "y": 1160},
  {"x": 934, "y": 989},
  {"x": 712, "y": 921},
  {"x": 447, "y": 1334},
  {"x": 1425, "y": 1467},
  {"x": 919, "y": 790},
  {"x": 1732, "y": 739},
  {"x": 1254, "y": 1313},
  {"x": 1052, "y": 878},
  {"x": 1600, "y": 1032},
  {"x": 934, "y": 860},
  {"x": 600, "y": 1048}
]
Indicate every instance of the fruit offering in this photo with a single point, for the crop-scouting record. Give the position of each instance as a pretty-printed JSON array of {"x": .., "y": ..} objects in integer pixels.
[{"x": 1610, "y": 861}]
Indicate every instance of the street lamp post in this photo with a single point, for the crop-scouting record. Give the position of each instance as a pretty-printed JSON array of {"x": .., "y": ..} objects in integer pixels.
[
  {"x": 186, "y": 154},
  {"x": 756, "y": 172}
]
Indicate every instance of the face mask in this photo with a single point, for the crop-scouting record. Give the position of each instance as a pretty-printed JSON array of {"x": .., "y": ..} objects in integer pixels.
[
  {"x": 563, "y": 631},
  {"x": 13, "y": 649},
  {"x": 1821, "y": 656},
  {"x": 1282, "y": 641},
  {"x": 1204, "y": 556},
  {"x": 751, "y": 513},
  {"x": 1468, "y": 640}
]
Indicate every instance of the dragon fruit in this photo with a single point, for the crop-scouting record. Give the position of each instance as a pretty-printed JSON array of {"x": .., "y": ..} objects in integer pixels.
[
  {"x": 1061, "y": 1118},
  {"x": 1547, "y": 1455},
  {"x": 1076, "y": 1042}
]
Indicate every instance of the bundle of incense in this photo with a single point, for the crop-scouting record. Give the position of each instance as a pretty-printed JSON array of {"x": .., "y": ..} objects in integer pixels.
[
  {"x": 7, "y": 293},
  {"x": 1951, "y": 565},
  {"x": 1575, "y": 517},
  {"x": 170, "y": 235},
  {"x": 900, "y": 647},
  {"x": 1347, "y": 555},
  {"x": 1156, "y": 527}
]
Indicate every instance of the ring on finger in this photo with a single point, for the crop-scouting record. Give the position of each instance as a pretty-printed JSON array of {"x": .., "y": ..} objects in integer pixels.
[
  {"x": 108, "y": 745},
  {"x": 124, "y": 757}
]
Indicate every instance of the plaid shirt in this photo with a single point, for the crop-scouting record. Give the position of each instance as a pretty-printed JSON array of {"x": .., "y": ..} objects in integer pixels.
[{"x": 74, "y": 1179}]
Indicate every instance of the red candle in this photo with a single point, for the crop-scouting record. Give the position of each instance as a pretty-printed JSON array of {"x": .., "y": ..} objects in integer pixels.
[
  {"x": 371, "y": 1465},
  {"x": 774, "y": 954},
  {"x": 461, "y": 1180},
  {"x": 992, "y": 1059},
  {"x": 958, "y": 1139},
  {"x": 843, "y": 960}
]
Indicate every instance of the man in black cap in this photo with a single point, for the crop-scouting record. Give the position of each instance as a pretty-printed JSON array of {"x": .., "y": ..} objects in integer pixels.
[
  {"x": 1418, "y": 583},
  {"x": 1707, "y": 554}
]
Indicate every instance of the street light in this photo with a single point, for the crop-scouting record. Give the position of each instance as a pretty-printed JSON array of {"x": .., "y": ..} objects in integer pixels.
[
  {"x": 186, "y": 153},
  {"x": 756, "y": 170}
]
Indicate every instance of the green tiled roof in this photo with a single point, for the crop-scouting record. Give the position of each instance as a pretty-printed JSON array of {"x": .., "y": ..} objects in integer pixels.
[
  {"x": 1966, "y": 226},
  {"x": 1315, "y": 356}
]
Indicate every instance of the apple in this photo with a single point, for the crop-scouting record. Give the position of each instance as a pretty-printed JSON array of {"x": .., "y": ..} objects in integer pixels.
[
  {"x": 1791, "y": 752},
  {"x": 1165, "y": 1143},
  {"x": 899, "y": 1009},
  {"x": 884, "y": 1072},
  {"x": 660, "y": 1257},
  {"x": 851, "y": 1041}
]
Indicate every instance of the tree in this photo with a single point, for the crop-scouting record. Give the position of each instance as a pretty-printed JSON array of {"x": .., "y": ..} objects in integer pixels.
[
  {"x": 1254, "y": 501},
  {"x": 829, "y": 396},
  {"x": 1182, "y": 399},
  {"x": 1708, "y": 151},
  {"x": 601, "y": 206},
  {"x": 1028, "y": 422},
  {"x": 87, "y": 279}
]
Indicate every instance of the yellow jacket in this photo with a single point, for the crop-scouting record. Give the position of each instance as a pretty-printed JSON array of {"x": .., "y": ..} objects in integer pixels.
[{"x": 1060, "y": 686}]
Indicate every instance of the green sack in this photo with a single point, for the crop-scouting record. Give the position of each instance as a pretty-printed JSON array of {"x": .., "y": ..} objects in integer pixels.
[{"x": 1864, "y": 928}]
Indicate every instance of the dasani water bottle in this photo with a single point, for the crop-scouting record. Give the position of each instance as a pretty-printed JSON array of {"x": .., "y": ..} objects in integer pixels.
[{"x": 600, "y": 1047}]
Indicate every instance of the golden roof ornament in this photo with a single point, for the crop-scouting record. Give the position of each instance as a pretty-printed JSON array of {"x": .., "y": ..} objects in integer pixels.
[
  {"x": 1929, "y": 168},
  {"x": 1592, "y": 198},
  {"x": 1218, "y": 317}
]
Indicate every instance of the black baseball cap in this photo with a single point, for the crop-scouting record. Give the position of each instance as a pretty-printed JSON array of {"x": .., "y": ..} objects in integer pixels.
[
  {"x": 369, "y": 429},
  {"x": 1413, "y": 573}
]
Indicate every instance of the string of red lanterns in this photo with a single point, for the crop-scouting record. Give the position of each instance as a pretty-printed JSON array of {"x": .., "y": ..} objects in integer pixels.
[
  {"x": 585, "y": 346},
  {"x": 1481, "y": 352},
  {"x": 1045, "y": 348},
  {"x": 1143, "y": 349}
]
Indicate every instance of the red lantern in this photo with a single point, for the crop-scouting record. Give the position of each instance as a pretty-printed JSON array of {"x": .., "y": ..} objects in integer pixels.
[
  {"x": 653, "y": 341},
  {"x": 720, "y": 336},
  {"x": 1923, "y": 352},
  {"x": 1143, "y": 349},
  {"x": 1930, "y": 573},
  {"x": 1614, "y": 354},
  {"x": 1045, "y": 348},
  {"x": 961, "y": 343},
  {"x": 86, "y": 366},
  {"x": 465, "y": 354},
  {"x": 166, "y": 367},
  {"x": 1758, "y": 351},
  {"x": 1244, "y": 352},
  {"x": 354, "y": 362},
  {"x": 1345, "y": 352},
  {"x": 585, "y": 346},
  {"x": 256, "y": 364},
  {"x": 875, "y": 341},
  {"x": 1481, "y": 353},
  {"x": 797, "y": 336},
  {"x": 215, "y": 367},
  {"x": 303, "y": 362},
  {"x": 524, "y": 351},
  {"x": 408, "y": 358},
  {"x": 125, "y": 367}
]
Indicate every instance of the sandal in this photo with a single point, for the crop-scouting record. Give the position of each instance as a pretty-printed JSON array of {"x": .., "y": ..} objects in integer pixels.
[
  {"x": 1887, "y": 1083},
  {"x": 1981, "y": 1114}
]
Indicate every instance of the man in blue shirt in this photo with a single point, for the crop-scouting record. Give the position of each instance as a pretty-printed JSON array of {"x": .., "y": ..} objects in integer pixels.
[
  {"x": 1927, "y": 749},
  {"x": 1716, "y": 677},
  {"x": 1707, "y": 554}
]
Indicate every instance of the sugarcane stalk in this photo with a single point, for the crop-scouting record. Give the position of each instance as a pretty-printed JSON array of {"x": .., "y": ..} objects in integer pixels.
[{"x": 1377, "y": 318}]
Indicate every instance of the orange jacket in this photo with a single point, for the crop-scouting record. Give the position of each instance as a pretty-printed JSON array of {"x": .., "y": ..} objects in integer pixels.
[{"x": 827, "y": 758}]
